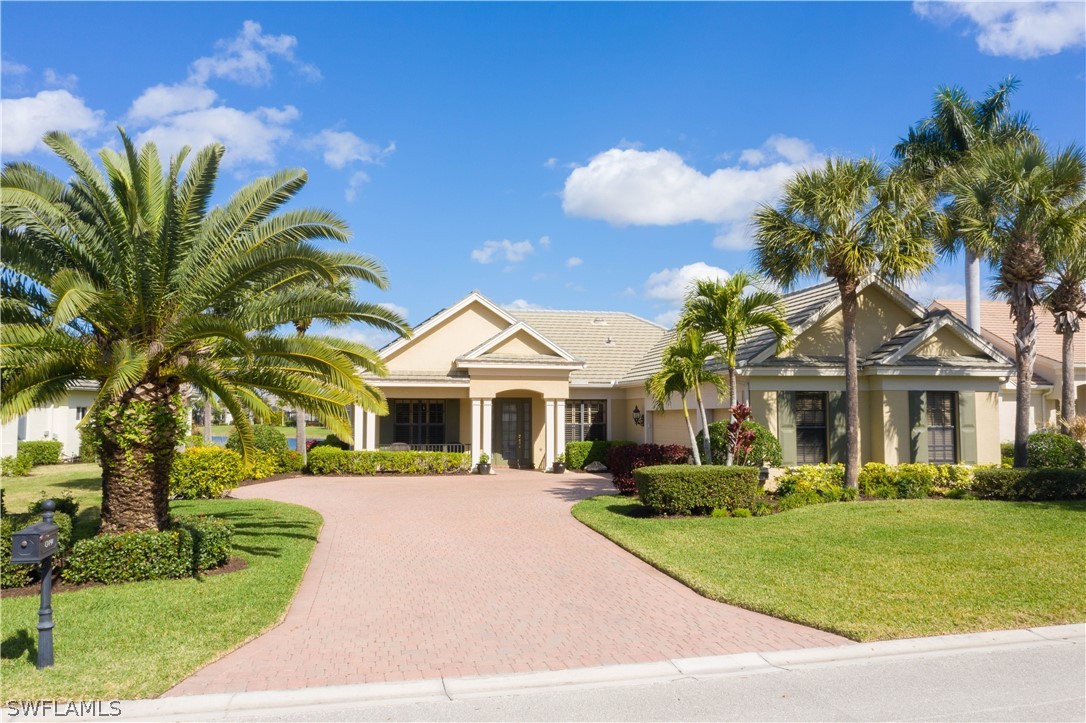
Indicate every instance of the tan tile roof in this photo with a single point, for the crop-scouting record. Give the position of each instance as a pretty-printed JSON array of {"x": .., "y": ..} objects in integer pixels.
[
  {"x": 998, "y": 326},
  {"x": 611, "y": 342}
]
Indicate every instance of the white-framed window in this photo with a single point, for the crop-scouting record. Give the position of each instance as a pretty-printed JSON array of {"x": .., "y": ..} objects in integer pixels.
[{"x": 586, "y": 420}]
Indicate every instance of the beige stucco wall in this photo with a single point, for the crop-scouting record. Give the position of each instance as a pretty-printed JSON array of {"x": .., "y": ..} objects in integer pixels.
[
  {"x": 670, "y": 427},
  {"x": 945, "y": 343},
  {"x": 879, "y": 317},
  {"x": 484, "y": 384},
  {"x": 437, "y": 348},
  {"x": 522, "y": 344}
]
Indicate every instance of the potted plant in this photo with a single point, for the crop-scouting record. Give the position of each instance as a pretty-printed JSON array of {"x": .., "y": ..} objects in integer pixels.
[
  {"x": 559, "y": 466},
  {"x": 484, "y": 463}
]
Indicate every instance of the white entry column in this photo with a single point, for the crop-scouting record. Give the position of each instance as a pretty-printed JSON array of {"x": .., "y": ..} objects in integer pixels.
[
  {"x": 488, "y": 438},
  {"x": 549, "y": 431},
  {"x": 357, "y": 419},
  {"x": 476, "y": 433},
  {"x": 560, "y": 425},
  {"x": 371, "y": 430}
]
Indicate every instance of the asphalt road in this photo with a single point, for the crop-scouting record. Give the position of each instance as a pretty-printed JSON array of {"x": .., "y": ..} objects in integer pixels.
[{"x": 1043, "y": 681}]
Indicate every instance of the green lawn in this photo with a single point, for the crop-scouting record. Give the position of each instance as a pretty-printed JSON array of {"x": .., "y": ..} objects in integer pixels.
[
  {"x": 874, "y": 570},
  {"x": 311, "y": 432},
  {"x": 140, "y": 639}
]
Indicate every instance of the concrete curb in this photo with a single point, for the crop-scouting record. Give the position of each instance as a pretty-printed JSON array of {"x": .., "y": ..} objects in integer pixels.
[{"x": 224, "y": 705}]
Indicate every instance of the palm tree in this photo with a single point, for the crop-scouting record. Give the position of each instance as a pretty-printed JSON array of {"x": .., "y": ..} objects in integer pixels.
[
  {"x": 725, "y": 308},
  {"x": 845, "y": 220},
  {"x": 957, "y": 127},
  {"x": 685, "y": 369},
  {"x": 1065, "y": 297},
  {"x": 127, "y": 278},
  {"x": 1020, "y": 204}
]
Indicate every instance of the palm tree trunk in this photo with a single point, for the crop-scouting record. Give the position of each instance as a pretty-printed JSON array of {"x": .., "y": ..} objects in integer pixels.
[
  {"x": 1025, "y": 347},
  {"x": 849, "y": 307},
  {"x": 705, "y": 442},
  {"x": 207, "y": 420},
  {"x": 1067, "y": 398},
  {"x": 733, "y": 399},
  {"x": 138, "y": 439},
  {"x": 690, "y": 429},
  {"x": 299, "y": 430}
]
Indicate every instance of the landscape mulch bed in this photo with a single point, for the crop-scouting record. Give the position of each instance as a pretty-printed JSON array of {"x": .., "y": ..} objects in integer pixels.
[{"x": 235, "y": 564}]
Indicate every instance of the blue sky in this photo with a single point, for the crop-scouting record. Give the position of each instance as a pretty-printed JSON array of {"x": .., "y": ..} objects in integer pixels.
[{"x": 577, "y": 156}]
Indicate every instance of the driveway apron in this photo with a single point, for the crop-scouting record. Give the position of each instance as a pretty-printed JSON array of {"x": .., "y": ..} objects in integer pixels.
[{"x": 424, "y": 577}]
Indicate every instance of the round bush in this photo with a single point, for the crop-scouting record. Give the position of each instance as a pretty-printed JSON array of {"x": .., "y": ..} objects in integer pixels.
[
  {"x": 765, "y": 447},
  {"x": 268, "y": 439},
  {"x": 204, "y": 473},
  {"x": 1054, "y": 450}
]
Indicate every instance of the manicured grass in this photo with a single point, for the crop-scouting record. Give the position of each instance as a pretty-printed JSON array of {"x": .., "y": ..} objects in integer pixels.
[
  {"x": 874, "y": 570},
  {"x": 82, "y": 481},
  {"x": 140, "y": 639}
]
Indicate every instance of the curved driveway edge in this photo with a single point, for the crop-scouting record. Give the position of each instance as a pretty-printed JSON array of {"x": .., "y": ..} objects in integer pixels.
[{"x": 429, "y": 577}]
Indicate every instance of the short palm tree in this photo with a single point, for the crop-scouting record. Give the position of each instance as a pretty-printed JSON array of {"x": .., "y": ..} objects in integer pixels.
[
  {"x": 727, "y": 309},
  {"x": 686, "y": 368},
  {"x": 845, "y": 220},
  {"x": 958, "y": 127},
  {"x": 128, "y": 278},
  {"x": 1020, "y": 204}
]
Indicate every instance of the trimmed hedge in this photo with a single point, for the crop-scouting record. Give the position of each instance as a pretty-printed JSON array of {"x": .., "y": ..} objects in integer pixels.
[
  {"x": 262, "y": 464},
  {"x": 131, "y": 557},
  {"x": 267, "y": 439},
  {"x": 195, "y": 440},
  {"x": 212, "y": 540},
  {"x": 66, "y": 504},
  {"x": 291, "y": 461},
  {"x": 765, "y": 446},
  {"x": 811, "y": 484},
  {"x": 332, "y": 460},
  {"x": 581, "y": 454},
  {"x": 17, "y": 466},
  {"x": 914, "y": 481},
  {"x": 331, "y": 441},
  {"x": 1052, "y": 450},
  {"x": 44, "y": 452},
  {"x": 204, "y": 473},
  {"x": 623, "y": 460},
  {"x": 688, "y": 489},
  {"x": 1029, "y": 484},
  {"x": 20, "y": 575}
]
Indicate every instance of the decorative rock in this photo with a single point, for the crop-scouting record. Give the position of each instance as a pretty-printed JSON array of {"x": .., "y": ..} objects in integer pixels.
[{"x": 595, "y": 467}]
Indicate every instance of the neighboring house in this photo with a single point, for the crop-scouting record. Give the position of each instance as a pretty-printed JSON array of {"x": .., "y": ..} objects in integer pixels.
[
  {"x": 518, "y": 384},
  {"x": 55, "y": 422},
  {"x": 997, "y": 325}
]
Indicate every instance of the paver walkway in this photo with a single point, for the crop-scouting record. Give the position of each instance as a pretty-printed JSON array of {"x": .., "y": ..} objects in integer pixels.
[{"x": 452, "y": 576}]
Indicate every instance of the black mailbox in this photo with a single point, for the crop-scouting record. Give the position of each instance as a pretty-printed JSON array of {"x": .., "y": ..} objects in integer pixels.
[{"x": 33, "y": 544}]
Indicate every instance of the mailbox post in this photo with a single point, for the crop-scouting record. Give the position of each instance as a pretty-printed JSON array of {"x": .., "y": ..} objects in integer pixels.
[{"x": 30, "y": 546}]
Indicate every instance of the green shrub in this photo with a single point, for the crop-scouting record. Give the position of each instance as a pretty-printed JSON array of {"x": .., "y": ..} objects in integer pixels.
[
  {"x": 88, "y": 443},
  {"x": 332, "y": 441},
  {"x": 825, "y": 479},
  {"x": 267, "y": 439},
  {"x": 802, "y": 498},
  {"x": 916, "y": 481},
  {"x": 1006, "y": 449},
  {"x": 1052, "y": 450},
  {"x": 581, "y": 454},
  {"x": 332, "y": 460},
  {"x": 765, "y": 445},
  {"x": 212, "y": 540},
  {"x": 66, "y": 504},
  {"x": 205, "y": 473},
  {"x": 20, "y": 575},
  {"x": 195, "y": 440},
  {"x": 741, "y": 512},
  {"x": 1030, "y": 484},
  {"x": 878, "y": 480},
  {"x": 689, "y": 489},
  {"x": 17, "y": 466},
  {"x": 41, "y": 452},
  {"x": 131, "y": 557},
  {"x": 291, "y": 461},
  {"x": 262, "y": 464}
]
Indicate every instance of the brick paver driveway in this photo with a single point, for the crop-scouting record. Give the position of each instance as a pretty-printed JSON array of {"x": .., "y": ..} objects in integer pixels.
[{"x": 451, "y": 576}]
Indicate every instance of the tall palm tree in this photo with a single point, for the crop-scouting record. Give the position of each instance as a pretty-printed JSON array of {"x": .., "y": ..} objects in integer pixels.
[
  {"x": 1019, "y": 204},
  {"x": 845, "y": 220},
  {"x": 726, "y": 308},
  {"x": 685, "y": 369},
  {"x": 126, "y": 277},
  {"x": 957, "y": 127},
  {"x": 1065, "y": 297}
]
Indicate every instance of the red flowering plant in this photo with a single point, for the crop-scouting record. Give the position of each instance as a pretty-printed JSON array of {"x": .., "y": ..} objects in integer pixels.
[{"x": 740, "y": 440}]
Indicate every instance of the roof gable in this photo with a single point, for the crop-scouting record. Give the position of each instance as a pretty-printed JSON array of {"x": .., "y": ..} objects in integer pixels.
[{"x": 518, "y": 340}]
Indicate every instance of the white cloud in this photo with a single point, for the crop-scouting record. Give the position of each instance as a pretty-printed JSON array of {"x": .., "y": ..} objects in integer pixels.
[
  {"x": 1016, "y": 29},
  {"x": 545, "y": 242},
  {"x": 522, "y": 305},
  {"x": 672, "y": 284},
  {"x": 53, "y": 79},
  {"x": 26, "y": 120},
  {"x": 667, "y": 319},
  {"x": 8, "y": 67},
  {"x": 359, "y": 333},
  {"x": 504, "y": 250},
  {"x": 634, "y": 187},
  {"x": 160, "y": 101},
  {"x": 249, "y": 137},
  {"x": 574, "y": 261},
  {"x": 355, "y": 182},
  {"x": 550, "y": 163},
  {"x": 938, "y": 285},
  {"x": 246, "y": 59},
  {"x": 401, "y": 310},
  {"x": 343, "y": 147}
]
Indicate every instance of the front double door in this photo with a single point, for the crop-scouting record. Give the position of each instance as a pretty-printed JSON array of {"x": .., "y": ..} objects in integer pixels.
[{"x": 513, "y": 432}]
